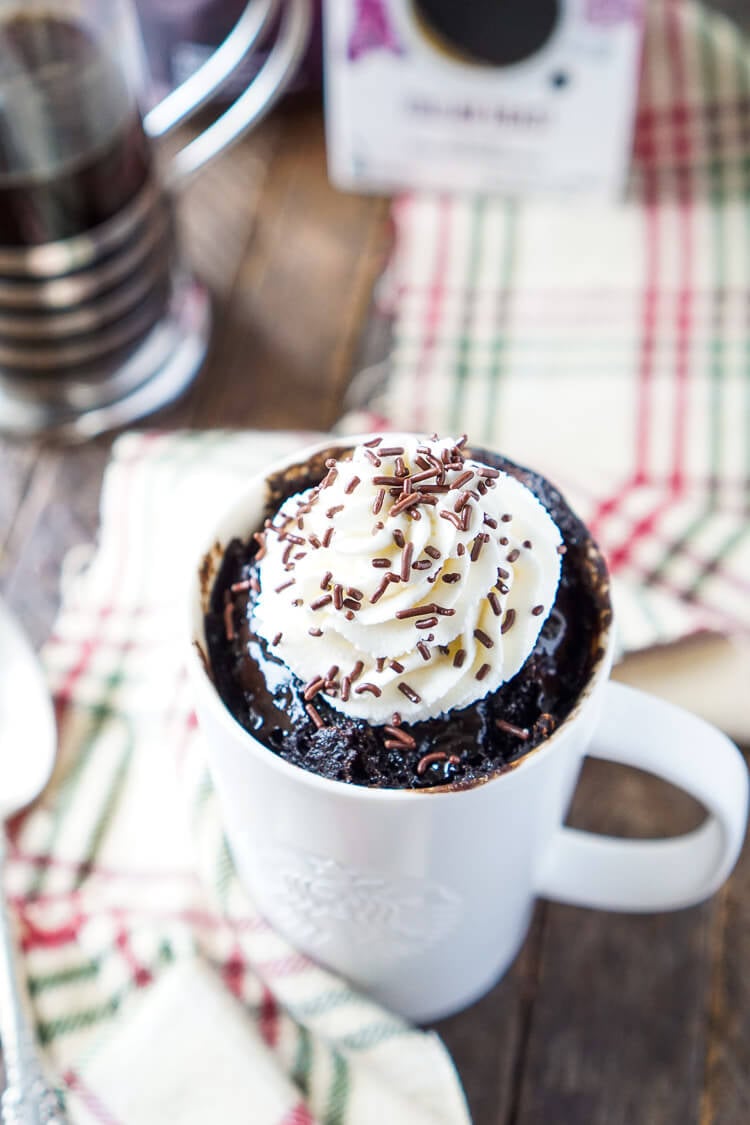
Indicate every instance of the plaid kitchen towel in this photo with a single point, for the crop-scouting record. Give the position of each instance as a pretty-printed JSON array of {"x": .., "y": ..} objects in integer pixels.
[
  {"x": 608, "y": 344},
  {"x": 160, "y": 994}
]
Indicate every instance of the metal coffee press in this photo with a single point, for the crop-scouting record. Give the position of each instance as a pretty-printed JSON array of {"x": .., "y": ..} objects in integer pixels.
[{"x": 101, "y": 321}]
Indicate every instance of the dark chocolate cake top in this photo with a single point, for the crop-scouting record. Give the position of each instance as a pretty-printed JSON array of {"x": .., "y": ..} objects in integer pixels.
[{"x": 376, "y": 655}]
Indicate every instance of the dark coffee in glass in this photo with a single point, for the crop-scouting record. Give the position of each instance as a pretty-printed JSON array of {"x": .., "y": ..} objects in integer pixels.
[{"x": 72, "y": 148}]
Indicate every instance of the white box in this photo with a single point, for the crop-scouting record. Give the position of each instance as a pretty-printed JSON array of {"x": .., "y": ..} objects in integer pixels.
[{"x": 411, "y": 104}]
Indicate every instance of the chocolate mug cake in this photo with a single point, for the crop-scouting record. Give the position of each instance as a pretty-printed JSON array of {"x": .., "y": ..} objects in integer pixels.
[{"x": 412, "y": 613}]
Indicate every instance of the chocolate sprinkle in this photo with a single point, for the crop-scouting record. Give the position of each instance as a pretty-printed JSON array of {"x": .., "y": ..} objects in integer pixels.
[
  {"x": 371, "y": 688},
  {"x": 276, "y": 639},
  {"x": 427, "y": 623},
  {"x": 405, "y": 503},
  {"x": 452, "y": 518},
  {"x": 459, "y": 658},
  {"x": 312, "y": 689},
  {"x": 510, "y": 728},
  {"x": 427, "y": 474},
  {"x": 415, "y": 611},
  {"x": 482, "y": 672},
  {"x": 406, "y": 561},
  {"x": 397, "y": 666},
  {"x": 494, "y": 601},
  {"x": 508, "y": 620},
  {"x": 314, "y": 716},
  {"x": 351, "y": 485},
  {"x": 513, "y": 555},
  {"x": 380, "y": 590},
  {"x": 315, "y": 632},
  {"x": 483, "y": 638},
  {"x": 476, "y": 550},
  {"x": 240, "y": 587},
  {"x": 320, "y": 602},
  {"x": 378, "y": 502},
  {"x": 381, "y": 564},
  {"x": 285, "y": 585},
  {"x": 423, "y": 650},
  {"x": 229, "y": 621},
  {"x": 409, "y": 693},
  {"x": 428, "y": 759},
  {"x": 401, "y": 736},
  {"x": 463, "y": 479}
]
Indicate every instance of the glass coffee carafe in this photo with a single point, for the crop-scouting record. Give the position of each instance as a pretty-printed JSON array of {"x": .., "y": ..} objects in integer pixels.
[{"x": 100, "y": 320}]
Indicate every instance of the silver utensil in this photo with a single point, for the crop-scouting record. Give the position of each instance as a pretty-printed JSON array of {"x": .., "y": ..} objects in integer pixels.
[{"x": 28, "y": 741}]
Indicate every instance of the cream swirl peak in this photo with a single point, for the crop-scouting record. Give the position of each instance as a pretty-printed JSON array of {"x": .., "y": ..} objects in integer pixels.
[{"x": 412, "y": 579}]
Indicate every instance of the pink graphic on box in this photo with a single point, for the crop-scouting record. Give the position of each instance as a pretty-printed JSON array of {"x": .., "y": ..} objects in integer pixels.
[
  {"x": 607, "y": 13},
  {"x": 372, "y": 31}
]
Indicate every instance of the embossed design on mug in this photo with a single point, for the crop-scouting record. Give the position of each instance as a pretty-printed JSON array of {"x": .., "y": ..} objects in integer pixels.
[{"x": 311, "y": 892}]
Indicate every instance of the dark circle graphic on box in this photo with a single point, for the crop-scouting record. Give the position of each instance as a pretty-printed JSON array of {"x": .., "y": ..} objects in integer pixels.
[{"x": 489, "y": 32}]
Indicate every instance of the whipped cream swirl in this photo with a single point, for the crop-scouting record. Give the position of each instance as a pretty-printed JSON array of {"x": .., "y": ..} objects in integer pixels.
[{"x": 411, "y": 579}]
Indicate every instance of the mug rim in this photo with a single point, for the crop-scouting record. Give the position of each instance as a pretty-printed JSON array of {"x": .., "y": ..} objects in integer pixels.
[{"x": 199, "y": 667}]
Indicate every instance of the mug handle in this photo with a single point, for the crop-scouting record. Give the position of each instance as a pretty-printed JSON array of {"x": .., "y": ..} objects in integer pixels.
[
  {"x": 637, "y": 729},
  {"x": 250, "y": 107}
]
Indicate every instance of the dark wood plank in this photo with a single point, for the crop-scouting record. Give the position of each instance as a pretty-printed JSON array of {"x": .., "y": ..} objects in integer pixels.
[
  {"x": 284, "y": 350},
  {"x": 726, "y": 1099},
  {"x": 217, "y": 208},
  {"x": 488, "y": 1041},
  {"x": 17, "y": 460},
  {"x": 59, "y": 510},
  {"x": 618, "y": 1027}
]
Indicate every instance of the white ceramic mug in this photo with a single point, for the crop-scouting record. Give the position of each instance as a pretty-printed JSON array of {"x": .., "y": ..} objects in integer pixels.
[{"x": 423, "y": 898}]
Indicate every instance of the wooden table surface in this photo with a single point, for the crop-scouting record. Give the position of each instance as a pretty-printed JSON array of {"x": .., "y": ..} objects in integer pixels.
[{"x": 603, "y": 1018}]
